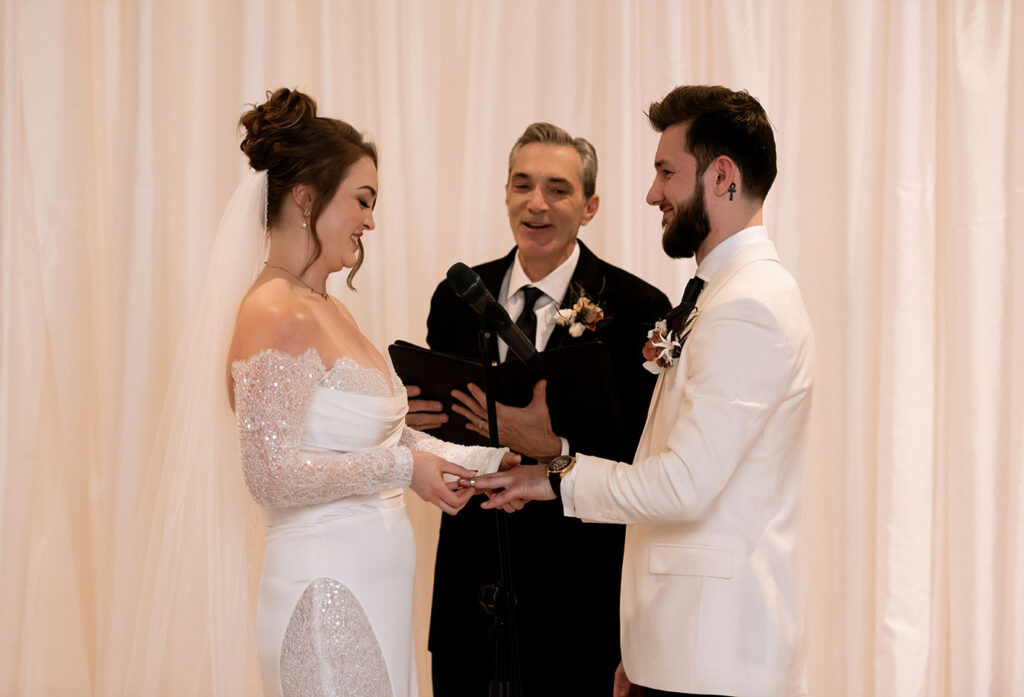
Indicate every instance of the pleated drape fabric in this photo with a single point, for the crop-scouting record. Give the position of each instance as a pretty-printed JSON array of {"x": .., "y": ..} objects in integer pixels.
[{"x": 898, "y": 207}]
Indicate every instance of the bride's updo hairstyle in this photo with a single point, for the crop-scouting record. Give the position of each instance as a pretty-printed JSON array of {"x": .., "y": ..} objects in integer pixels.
[{"x": 285, "y": 137}]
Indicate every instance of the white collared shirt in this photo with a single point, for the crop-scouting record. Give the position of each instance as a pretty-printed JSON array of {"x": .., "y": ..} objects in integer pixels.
[
  {"x": 710, "y": 265},
  {"x": 554, "y": 286}
]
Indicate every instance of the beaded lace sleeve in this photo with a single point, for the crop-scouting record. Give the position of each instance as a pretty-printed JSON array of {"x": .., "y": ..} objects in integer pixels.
[
  {"x": 473, "y": 457},
  {"x": 273, "y": 392}
]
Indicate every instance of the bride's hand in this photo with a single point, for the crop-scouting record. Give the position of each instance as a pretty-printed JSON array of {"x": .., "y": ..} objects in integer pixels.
[{"x": 428, "y": 472}]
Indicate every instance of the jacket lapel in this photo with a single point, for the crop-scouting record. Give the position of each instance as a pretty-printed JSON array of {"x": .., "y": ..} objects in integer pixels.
[
  {"x": 587, "y": 276},
  {"x": 493, "y": 274}
]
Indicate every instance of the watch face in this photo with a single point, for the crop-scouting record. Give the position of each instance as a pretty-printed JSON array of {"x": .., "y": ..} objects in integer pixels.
[{"x": 559, "y": 463}]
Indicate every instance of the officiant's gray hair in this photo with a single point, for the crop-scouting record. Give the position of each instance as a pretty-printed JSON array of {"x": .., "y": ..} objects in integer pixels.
[{"x": 543, "y": 132}]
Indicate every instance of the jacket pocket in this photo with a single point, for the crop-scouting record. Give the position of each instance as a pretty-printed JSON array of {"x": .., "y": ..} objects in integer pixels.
[{"x": 691, "y": 560}]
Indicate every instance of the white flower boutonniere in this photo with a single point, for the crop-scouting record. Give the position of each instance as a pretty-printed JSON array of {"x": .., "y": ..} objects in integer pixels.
[
  {"x": 580, "y": 317},
  {"x": 664, "y": 346}
]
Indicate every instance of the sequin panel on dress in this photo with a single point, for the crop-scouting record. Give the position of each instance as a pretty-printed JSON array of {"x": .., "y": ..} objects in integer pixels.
[{"x": 329, "y": 648}]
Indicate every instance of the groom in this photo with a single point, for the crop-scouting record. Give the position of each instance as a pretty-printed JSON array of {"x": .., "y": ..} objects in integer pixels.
[
  {"x": 711, "y": 501},
  {"x": 550, "y": 194}
]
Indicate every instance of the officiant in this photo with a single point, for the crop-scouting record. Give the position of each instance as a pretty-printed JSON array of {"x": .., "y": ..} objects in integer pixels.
[{"x": 560, "y": 294}]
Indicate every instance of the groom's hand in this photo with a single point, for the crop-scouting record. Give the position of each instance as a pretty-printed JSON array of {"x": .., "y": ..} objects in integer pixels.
[
  {"x": 424, "y": 414},
  {"x": 526, "y": 430},
  {"x": 513, "y": 487}
]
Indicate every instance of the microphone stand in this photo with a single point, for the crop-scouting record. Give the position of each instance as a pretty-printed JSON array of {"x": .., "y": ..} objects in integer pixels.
[{"x": 498, "y": 599}]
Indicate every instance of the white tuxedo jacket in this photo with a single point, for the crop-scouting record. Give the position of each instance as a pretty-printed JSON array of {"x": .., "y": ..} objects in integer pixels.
[{"x": 712, "y": 500}]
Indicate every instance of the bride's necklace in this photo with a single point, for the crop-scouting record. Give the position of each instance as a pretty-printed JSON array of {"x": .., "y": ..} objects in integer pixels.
[{"x": 311, "y": 288}]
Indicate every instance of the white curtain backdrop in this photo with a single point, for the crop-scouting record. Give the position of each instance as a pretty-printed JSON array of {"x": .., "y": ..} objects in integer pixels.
[{"x": 899, "y": 207}]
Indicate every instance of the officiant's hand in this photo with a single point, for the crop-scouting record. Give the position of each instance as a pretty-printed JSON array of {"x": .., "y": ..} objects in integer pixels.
[
  {"x": 526, "y": 430},
  {"x": 424, "y": 414},
  {"x": 513, "y": 487}
]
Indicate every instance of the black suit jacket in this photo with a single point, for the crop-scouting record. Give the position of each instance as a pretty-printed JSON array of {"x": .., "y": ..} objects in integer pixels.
[{"x": 565, "y": 573}]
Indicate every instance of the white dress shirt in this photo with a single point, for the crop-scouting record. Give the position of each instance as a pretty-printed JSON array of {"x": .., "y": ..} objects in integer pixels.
[{"x": 554, "y": 286}]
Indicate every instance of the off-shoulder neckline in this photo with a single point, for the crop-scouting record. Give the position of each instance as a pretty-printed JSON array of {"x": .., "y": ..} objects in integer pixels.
[{"x": 312, "y": 354}]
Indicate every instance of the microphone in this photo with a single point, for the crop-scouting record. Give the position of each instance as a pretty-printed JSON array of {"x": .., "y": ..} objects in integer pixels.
[{"x": 468, "y": 286}]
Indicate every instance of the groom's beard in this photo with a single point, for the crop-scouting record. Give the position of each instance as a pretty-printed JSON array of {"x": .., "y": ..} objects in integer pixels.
[{"x": 689, "y": 227}]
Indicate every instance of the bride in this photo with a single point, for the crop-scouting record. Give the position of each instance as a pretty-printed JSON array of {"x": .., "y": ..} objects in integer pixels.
[{"x": 321, "y": 424}]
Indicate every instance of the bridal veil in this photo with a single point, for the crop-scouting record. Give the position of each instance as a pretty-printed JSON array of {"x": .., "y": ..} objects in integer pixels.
[{"x": 182, "y": 620}]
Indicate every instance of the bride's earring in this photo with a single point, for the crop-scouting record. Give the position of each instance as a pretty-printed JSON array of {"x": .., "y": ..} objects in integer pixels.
[{"x": 305, "y": 220}]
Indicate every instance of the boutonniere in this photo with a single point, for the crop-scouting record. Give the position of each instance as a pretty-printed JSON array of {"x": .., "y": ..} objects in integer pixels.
[
  {"x": 664, "y": 346},
  {"x": 583, "y": 315}
]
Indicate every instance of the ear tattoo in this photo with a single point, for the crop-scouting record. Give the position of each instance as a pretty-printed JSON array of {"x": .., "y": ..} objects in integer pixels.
[{"x": 731, "y": 190}]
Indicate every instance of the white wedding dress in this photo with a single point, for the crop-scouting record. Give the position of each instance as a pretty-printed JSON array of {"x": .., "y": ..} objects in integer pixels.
[{"x": 326, "y": 452}]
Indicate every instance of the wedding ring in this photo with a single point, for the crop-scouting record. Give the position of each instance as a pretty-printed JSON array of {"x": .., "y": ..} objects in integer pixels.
[
  {"x": 472, "y": 483},
  {"x": 482, "y": 424}
]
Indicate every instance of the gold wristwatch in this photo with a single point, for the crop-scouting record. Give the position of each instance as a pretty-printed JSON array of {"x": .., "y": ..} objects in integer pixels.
[{"x": 558, "y": 467}]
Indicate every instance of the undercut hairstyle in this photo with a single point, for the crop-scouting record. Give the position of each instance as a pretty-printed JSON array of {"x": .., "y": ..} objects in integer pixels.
[
  {"x": 285, "y": 137},
  {"x": 543, "y": 132},
  {"x": 722, "y": 122}
]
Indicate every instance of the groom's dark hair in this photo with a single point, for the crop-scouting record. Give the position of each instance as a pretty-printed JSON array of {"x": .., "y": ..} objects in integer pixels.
[{"x": 722, "y": 122}]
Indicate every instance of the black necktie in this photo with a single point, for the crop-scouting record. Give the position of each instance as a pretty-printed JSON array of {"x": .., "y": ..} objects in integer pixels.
[
  {"x": 527, "y": 320},
  {"x": 680, "y": 313}
]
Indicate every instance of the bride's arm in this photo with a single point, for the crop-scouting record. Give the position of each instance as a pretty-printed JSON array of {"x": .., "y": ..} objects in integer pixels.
[
  {"x": 482, "y": 459},
  {"x": 273, "y": 392}
]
